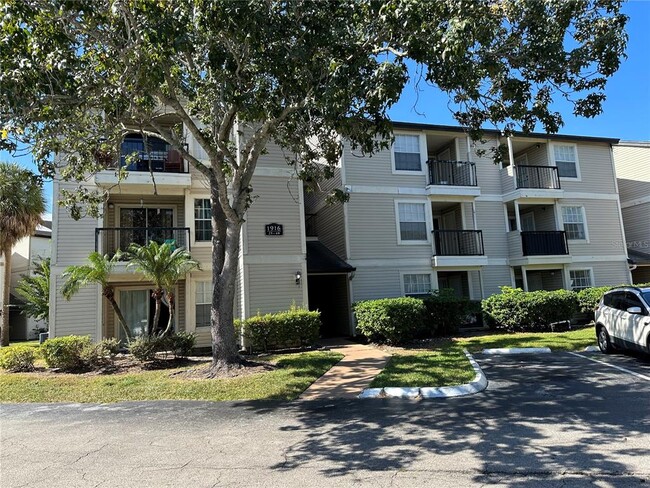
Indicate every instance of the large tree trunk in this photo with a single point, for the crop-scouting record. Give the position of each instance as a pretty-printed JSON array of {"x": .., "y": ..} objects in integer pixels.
[
  {"x": 172, "y": 305},
  {"x": 4, "y": 334},
  {"x": 225, "y": 257},
  {"x": 109, "y": 293}
]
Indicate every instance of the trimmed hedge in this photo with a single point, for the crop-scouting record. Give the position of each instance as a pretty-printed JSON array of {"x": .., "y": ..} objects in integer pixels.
[
  {"x": 447, "y": 311},
  {"x": 295, "y": 327},
  {"x": 588, "y": 298},
  {"x": 17, "y": 358},
  {"x": 514, "y": 309},
  {"x": 145, "y": 349},
  {"x": 391, "y": 320}
]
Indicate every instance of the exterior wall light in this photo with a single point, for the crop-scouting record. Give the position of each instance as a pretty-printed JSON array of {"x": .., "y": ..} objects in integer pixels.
[{"x": 298, "y": 277}]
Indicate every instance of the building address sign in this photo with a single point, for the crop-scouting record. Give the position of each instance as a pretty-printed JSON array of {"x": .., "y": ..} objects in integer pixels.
[{"x": 274, "y": 229}]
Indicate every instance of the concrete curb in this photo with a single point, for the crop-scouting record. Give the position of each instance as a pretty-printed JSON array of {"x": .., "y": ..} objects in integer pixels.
[
  {"x": 478, "y": 384},
  {"x": 517, "y": 350},
  {"x": 591, "y": 349}
]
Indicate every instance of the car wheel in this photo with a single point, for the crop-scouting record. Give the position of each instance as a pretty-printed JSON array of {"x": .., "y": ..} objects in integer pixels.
[{"x": 604, "y": 344}]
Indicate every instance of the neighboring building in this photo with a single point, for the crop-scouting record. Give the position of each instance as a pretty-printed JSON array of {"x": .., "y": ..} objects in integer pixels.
[
  {"x": 433, "y": 213},
  {"x": 632, "y": 160},
  {"x": 25, "y": 252}
]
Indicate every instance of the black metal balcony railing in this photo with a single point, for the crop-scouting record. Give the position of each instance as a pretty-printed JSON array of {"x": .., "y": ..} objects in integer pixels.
[
  {"x": 111, "y": 239},
  {"x": 452, "y": 173},
  {"x": 458, "y": 243},
  {"x": 545, "y": 177},
  {"x": 543, "y": 243}
]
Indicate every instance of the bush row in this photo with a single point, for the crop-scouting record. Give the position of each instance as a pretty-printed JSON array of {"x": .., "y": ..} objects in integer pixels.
[
  {"x": 397, "y": 320},
  {"x": 296, "y": 327},
  {"x": 79, "y": 353}
]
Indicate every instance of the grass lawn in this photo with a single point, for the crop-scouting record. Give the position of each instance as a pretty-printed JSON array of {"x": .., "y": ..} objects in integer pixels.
[
  {"x": 295, "y": 374},
  {"x": 444, "y": 366},
  {"x": 573, "y": 340}
]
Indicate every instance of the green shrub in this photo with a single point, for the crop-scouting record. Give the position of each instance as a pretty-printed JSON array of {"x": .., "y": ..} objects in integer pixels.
[
  {"x": 588, "y": 298},
  {"x": 180, "y": 344},
  {"x": 144, "y": 348},
  {"x": 515, "y": 309},
  {"x": 391, "y": 320},
  {"x": 296, "y": 327},
  {"x": 447, "y": 311},
  {"x": 109, "y": 347},
  {"x": 17, "y": 358},
  {"x": 68, "y": 353}
]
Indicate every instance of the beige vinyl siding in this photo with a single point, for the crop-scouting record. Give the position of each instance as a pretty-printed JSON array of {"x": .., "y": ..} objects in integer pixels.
[
  {"x": 603, "y": 228},
  {"x": 75, "y": 238},
  {"x": 487, "y": 173},
  {"x": 370, "y": 283},
  {"x": 537, "y": 156},
  {"x": 596, "y": 170},
  {"x": 272, "y": 287},
  {"x": 491, "y": 220},
  {"x": 377, "y": 170},
  {"x": 637, "y": 226},
  {"x": 276, "y": 201},
  {"x": 330, "y": 220},
  {"x": 199, "y": 182},
  {"x": 633, "y": 171},
  {"x": 544, "y": 216},
  {"x": 495, "y": 276},
  {"x": 373, "y": 228},
  {"x": 610, "y": 273},
  {"x": 77, "y": 316}
]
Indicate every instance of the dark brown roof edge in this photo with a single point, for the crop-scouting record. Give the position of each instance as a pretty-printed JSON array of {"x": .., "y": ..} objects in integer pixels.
[{"x": 536, "y": 135}]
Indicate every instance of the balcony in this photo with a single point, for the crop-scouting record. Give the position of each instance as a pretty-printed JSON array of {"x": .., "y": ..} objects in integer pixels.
[
  {"x": 154, "y": 162},
  {"x": 541, "y": 177},
  {"x": 458, "y": 248},
  {"x": 452, "y": 173},
  {"x": 544, "y": 243},
  {"x": 109, "y": 240}
]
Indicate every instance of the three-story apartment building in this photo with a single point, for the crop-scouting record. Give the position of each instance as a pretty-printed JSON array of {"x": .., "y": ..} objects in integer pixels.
[
  {"x": 434, "y": 211},
  {"x": 632, "y": 160}
]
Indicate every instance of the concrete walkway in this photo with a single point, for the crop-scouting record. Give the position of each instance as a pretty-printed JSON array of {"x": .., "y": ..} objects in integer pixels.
[{"x": 351, "y": 375}]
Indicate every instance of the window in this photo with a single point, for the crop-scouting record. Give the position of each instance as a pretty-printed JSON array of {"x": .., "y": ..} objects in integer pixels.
[
  {"x": 203, "y": 303},
  {"x": 406, "y": 151},
  {"x": 566, "y": 160},
  {"x": 412, "y": 222},
  {"x": 580, "y": 278},
  {"x": 417, "y": 284},
  {"x": 574, "y": 223},
  {"x": 202, "y": 220}
]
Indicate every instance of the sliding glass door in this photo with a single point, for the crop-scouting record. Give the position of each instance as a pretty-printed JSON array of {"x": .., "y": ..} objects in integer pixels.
[{"x": 141, "y": 225}]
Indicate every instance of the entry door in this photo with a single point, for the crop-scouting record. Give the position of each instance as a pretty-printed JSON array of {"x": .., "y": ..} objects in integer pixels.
[
  {"x": 135, "y": 308},
  {"x": 528, "y": 222}
]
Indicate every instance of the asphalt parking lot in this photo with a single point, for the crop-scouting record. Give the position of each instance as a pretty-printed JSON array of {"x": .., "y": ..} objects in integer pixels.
[{"x": 545, "y": 420}]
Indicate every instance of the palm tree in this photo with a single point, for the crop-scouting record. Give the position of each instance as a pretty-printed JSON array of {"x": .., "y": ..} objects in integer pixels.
[
  {"x": 21, "y": 204},
  {"x": 35, "y": 290},
  {"x": 163, "y": 265},
  {"x": 98, "y": 271}
]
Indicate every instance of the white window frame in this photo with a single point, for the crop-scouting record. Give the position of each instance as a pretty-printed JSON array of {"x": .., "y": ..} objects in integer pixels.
[
  {"x": 194, "y": 290},
  {"x": 428, "y": 219},
  {"x": 584, "y": 222},
  {"x": 434, "y": 284},
  {"x": 195, "y": 242},
  {"x": 551, "y": 149},
  {"x": 590, "y": 272},
  {"x": 423, "y": 154}
]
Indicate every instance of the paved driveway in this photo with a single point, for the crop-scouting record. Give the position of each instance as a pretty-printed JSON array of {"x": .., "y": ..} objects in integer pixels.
[{"x": 545, "y": 420}]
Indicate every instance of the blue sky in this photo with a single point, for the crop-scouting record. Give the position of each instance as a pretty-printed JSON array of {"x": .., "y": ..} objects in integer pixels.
[{"x": 626, "y": 112}]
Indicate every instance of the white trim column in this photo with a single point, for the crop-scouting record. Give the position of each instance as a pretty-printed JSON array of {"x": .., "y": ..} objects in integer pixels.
[{"x": 524, "y": 278}]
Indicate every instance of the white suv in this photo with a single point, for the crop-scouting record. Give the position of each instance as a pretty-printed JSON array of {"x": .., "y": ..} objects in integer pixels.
[{"x": 623, "y": 319}]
